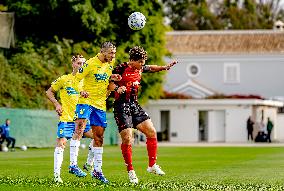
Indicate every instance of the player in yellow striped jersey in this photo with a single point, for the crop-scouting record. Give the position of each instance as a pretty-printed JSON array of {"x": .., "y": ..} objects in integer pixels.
[
  {"x": 96, "y": 73},
  {"x": 68, "y": 97}
]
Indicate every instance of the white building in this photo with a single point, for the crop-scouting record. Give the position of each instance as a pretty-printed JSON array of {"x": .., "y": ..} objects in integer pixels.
[
  {"x": 211, "y": 120},
  {"x": 227, "y": 62},
  {"x": 243, "y": 62}
]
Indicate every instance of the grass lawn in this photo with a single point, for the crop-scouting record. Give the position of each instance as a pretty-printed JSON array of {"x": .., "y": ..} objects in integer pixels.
[{"x": 187, "y": 168}]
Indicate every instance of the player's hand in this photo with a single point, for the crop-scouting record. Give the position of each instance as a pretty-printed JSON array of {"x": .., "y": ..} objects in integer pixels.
[
  {"x": 59, "y": 110},
  {"x": 121, "y": 89},
  {"x": 167, "y": 67},
  {"x": 84, "y": 94},
  {"x": 115, "y": 77}
]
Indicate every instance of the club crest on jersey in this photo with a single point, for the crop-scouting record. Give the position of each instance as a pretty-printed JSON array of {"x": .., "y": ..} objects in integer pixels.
[
  {"x": 136, "y": 83},
  {"x": 101, "y": 77},
  {"x": 81, "y": 69},
  {"x": 71, "y": 91},
  {"x": 82, "y": 111}
]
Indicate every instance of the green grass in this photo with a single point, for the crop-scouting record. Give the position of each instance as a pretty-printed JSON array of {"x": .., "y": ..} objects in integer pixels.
[{"x": 187, "y": 168}]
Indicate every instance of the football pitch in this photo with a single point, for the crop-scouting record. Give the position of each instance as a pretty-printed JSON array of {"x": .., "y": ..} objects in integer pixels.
[{"x": 187, "y": 168}]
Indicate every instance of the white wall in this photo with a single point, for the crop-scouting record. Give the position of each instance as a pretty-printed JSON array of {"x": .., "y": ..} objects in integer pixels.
[
  {"x": 279, "y": 130},
  {"x": 257, "y": 73},
  {"x": 184, "y": 120},
  {"x": 236, "y": 118},
  {"x": 216, "y": 126}
]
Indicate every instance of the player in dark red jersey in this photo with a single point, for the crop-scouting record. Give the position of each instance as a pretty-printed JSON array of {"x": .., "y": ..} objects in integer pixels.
[{"x": 129, "y": 114}]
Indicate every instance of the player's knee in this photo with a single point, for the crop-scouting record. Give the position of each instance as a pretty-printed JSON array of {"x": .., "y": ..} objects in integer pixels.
[
  {"x": 61, "y": 144},
  {"x": 80, "y": 123},
  {"x": 127, "y": 139},
  {"x": 99, "y": 142},
  {"x": 99, "y": 139},
  {"x": 151, "y": 133},
  {"x": 79, "y": 131}
]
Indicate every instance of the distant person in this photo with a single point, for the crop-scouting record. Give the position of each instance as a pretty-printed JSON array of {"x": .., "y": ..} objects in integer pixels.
[
  {"x": 5, "y": 135},
  {"x": 269, "y": 128},
  {"x": 250, "y": 124}
]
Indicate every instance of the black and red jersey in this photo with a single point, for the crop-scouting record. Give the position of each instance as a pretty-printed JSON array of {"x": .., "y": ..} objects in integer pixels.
[{"x": 130, "y": 79}]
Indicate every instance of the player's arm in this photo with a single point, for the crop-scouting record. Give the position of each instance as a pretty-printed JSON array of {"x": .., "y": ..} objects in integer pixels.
[
  {"x": 56, "y": 85},
  {"x": 115, "y": 77},
  {"x": 156, "y": 68},
  {"x": 50, "y": 93},
  {"x": 115, "y": 87}
]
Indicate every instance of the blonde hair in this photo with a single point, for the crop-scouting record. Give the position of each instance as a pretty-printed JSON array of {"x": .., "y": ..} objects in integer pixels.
[{"x": 75, "y": 57}]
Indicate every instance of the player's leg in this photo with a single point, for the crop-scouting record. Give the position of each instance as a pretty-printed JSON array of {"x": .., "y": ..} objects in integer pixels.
[
  {"x": 58, "y": 151},
  {"x": 82, "y": 113},
  {"x": 126, "y": 150},
  {"x": 89, "y": 165},
  {"x": 98, "y": 123},
  {"x": 148, "y": 129},
  {"x": 58, "y": 158},
  {"x": 97, "y": 150},
  {"x": 8, "y": 140},
  {"x": 74, "y": 151},
  {"x": 123, "y": 118},
  {"x": 143, "y": 123}
]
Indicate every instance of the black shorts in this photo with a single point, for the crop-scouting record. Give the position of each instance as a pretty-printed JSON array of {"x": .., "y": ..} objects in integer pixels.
[{"x": 129, "y": 115}]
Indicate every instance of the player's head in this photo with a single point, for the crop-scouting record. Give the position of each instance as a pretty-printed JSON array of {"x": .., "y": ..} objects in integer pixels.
[
  {"x": 108, "y": 51},
  {"x": 137, "y": 55},
  {"x": 77, "y": 61},
  {"x": 8, "y": 121}
]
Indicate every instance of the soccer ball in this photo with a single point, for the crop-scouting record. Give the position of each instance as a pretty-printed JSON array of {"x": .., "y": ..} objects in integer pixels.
[
  {"x": 5, "y": 149},
  {"x": 136, "y": 21},
  {"x": 83, "y": 146},
  {"x": 24, "y": 147}
]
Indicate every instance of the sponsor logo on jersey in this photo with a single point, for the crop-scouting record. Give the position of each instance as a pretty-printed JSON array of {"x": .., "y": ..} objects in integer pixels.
[
  {"x": 71, "y": 91},
  {"x": 101, "y": 77}
]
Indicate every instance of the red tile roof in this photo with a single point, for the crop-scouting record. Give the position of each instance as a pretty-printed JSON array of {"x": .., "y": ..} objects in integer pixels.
[{"x": 225, "y": 42}]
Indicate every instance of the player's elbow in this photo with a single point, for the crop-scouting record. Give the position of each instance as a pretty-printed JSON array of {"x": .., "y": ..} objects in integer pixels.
[{"x": 49, "y": 92}]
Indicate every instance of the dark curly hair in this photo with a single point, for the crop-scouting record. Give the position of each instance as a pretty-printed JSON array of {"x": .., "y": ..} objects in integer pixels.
[{"x": 137, "y": 53}]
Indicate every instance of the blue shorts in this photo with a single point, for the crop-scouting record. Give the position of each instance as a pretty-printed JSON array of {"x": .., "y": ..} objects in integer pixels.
[
  {"x": 66, "y": 129},
  {"x": 96, "y": 116}
]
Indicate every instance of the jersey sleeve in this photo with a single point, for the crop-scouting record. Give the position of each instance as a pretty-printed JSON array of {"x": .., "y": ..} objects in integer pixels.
[{"x": 58, "y": 83}]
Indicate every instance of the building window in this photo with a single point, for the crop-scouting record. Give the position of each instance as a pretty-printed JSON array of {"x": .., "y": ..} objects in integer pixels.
[
  {"x": 232, "y": 73},
  {"x": 193, "y": 70}
]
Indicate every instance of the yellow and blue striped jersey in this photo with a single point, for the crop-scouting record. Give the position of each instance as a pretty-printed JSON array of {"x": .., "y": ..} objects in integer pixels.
[
  {"x": 96, "y": 80},
  {"x": 68, "y": 95}
]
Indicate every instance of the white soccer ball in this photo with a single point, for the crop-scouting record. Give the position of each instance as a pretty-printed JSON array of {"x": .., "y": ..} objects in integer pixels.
[
  {"x": 136, "y": 21},
  {"x": 83, "y": 146},
  {"x": 5, "y": 149},
  {"x": 24, "y": 147}
]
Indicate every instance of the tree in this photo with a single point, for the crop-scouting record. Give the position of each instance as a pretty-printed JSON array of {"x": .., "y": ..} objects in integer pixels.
[
  {"x": 51, "y": 31},
  {"x": 226, "y": 14}
]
